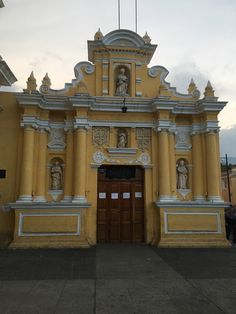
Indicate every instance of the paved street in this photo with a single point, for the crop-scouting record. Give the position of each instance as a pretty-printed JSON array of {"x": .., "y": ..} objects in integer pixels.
[{"x": 118, "y": 279}]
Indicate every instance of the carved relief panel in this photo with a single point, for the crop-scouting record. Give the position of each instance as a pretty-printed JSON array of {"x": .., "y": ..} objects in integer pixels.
[
  {"x": 143, "y": 137},
  {"x": 100, "y": 136},
  {"x": 183, "y": 141},
  {"x": 56, "y": 137}
]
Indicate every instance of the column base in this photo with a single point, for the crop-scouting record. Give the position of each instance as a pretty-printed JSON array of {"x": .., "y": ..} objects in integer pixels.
[
  {"x": 79, "y": 199},
  {"x": 215, "y": 199},
  {"x": 67, "y": 199},
  {"x": 199, "y": 199},
  {"x": 167, "y": 198},
  {"x": 24, "y": 198},
  {"x": 40, "y": 199}
]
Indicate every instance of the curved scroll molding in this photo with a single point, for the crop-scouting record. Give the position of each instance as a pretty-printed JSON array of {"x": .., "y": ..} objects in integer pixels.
[
  {"x": 163, "y": 72},
  {"x": 86, "y": 66},
  {"x": 80, "y": 67},
  {"x": 158, "y": 70}
]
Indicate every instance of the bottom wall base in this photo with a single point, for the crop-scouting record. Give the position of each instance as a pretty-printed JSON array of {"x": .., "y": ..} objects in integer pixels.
[
  {"x": 194, "y": 243},
  {"x": 47, "y": 244},
  {"x": 50, "y": 225},
  {"x": 187, "y": 225}
]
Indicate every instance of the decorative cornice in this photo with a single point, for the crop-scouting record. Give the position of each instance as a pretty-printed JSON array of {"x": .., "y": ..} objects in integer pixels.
[
  {"x": 47, "y": 206},
  {"x": 205, "y": 105},
  {"x": 128, "y": 151},
  {"x": 114, "y": 104},
  {"x": 209, "y": 126},
  {"x": 7, "y": 78},
  {"x": 192, "y": 204},
  {"x": 34, "y": 122}
]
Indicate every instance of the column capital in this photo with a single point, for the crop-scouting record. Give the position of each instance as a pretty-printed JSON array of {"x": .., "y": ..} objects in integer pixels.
[
  {"x": 69, "y": 126},
  {"x": 196, "y": 129},
  {"x": 211, "y": 127},
  {"x": 212, "y": 131},
  {"x": 165, "y": 126},
  {"x": 81, "y": 127},
  {"x": 81, "y": 123},
  {"x": 34, "y": 123},
  {"x": 43, "y": 129}
]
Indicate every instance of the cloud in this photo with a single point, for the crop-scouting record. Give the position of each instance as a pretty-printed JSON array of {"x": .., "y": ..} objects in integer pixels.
[
  {"x": 181, "y": 74},
  {"x": 228, "y": 142}
]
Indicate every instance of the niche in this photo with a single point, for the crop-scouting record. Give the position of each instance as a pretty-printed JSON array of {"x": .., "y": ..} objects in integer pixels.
[
  {"x": 56, "y": 174},
  {"x": 122, "y": 81},
  {"x": 182, "y": 172}
]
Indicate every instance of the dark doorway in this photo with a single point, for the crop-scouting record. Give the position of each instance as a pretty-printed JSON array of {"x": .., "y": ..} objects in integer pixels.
[{"x": 120, "y": 205}]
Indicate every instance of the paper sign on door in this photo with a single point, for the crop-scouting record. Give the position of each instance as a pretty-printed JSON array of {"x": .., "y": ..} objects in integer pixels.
[
  {"x": 102, "y": 196},
  {"x": 126, "y": 195},
  {"x": 138, "y": 194},
  {"x": 114, "y": 196}
]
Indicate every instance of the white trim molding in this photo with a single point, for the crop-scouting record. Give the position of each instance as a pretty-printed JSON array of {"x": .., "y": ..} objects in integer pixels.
[
  {"x": 191, "y": 213},
  {"x": 23, "y": 215}
]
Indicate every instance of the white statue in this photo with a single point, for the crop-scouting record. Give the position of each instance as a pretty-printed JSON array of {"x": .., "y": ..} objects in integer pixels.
[
  {"x": 122, "y": 83},
  {"x": 122, "y": 139},
  {"x": 56, "y": 176},
  {"x": 182, "y": 175}
]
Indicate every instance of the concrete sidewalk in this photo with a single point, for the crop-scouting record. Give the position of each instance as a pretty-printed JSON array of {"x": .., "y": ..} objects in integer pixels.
[{"x": 118, "y": 279}]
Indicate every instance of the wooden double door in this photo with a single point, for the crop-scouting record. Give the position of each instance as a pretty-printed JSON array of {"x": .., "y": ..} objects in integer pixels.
[{"x": 120, "y": 205}]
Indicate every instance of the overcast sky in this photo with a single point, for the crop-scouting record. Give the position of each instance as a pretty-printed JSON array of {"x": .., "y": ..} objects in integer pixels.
[{"x": 196, "y": 39}]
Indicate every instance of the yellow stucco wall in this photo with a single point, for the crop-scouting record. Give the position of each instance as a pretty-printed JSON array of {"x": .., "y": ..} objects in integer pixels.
[
  {"x": 178, "y": 127},
  {"x": 10, "y": 149}
]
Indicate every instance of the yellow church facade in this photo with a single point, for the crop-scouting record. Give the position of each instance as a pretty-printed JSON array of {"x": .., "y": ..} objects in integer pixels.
[{"x": 117, "y": 156}]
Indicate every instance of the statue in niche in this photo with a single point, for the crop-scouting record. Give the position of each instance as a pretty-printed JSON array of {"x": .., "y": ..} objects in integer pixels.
[
  {"x": 182, "y": 175},
  {"x": 122, "y": 139},
  {"x": 56, "y": 176},
  {"x": 122, "y": 83}
]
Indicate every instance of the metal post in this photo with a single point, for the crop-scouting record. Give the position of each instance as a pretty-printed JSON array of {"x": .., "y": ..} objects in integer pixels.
[
  {"x": 119, "y": 14},
  {"x": 227, "y": 172},
  {"x": 136, "y": 16}
]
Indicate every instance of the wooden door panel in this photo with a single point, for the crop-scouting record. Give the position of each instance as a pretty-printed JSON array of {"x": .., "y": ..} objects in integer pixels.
[
  {"x": 126, "y": 234},
  {"x": 138, "y": 232},
  {"x": 138, "y": 212},
  {"x": 120, "y": 219},
  {"x": 114, "y": 232},
  {"x": 126, "y": 212},
  {"x": 101, "y": 233}
]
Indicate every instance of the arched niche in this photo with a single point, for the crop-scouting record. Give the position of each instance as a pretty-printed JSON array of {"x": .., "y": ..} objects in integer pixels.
[
  {"x": 56, "y": 172},
  {"x": 122, "y": 80},
  {"x": 182, "y": 174}
]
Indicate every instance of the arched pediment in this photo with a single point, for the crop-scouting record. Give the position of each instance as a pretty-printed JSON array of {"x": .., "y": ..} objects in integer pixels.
[
  {"x": 123, "y": 37},
  {"x": 121, "y": 40}
]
